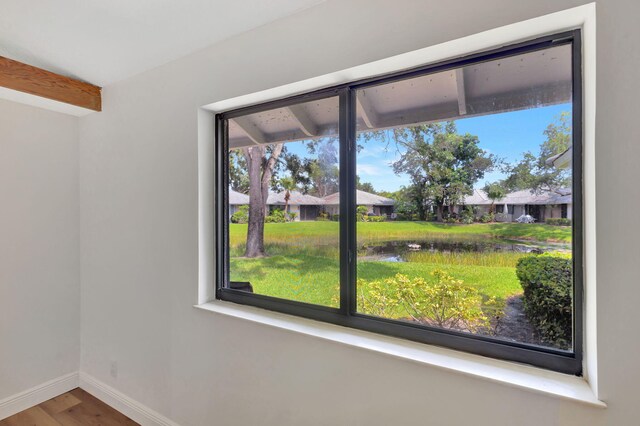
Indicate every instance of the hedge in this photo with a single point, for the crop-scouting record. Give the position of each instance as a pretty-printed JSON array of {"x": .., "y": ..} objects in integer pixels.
[
  {"x": 547, "y": 283},
  {"x": 558, "y": 221}
]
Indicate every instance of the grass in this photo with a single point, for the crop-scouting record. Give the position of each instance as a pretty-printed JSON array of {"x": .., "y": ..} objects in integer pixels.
[
  {"x": 311, "y": 279},
  {"x": 303, "y": 257},
  {"x": 290, "y": 233},
  {"x": 499, "y": 282},
  {"x": 315, "y": 279},
  {"x": 500, "y": 259}
]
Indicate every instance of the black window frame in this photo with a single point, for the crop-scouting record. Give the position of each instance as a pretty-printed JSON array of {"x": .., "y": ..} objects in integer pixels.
[{"x": 569, "y": 362}]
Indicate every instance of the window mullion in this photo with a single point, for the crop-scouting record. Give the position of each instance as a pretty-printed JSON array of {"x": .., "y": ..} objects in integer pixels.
[{"x": 347, "y": 201}]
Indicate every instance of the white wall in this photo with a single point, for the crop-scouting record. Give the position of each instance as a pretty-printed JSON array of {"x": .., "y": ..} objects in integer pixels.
[
  {"x": 139, "y": 237},
  {"x": 39, "y": 241}
]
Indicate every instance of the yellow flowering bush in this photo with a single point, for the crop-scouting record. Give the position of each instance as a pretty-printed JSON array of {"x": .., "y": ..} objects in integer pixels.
[{"x": 442, "y": 301}]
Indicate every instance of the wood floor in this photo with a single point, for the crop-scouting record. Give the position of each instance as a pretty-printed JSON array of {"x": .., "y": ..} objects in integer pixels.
[{"x": 74, "y": 408}]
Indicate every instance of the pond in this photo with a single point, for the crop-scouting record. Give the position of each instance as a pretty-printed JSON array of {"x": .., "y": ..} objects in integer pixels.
[{"x": 396, "y": 251}]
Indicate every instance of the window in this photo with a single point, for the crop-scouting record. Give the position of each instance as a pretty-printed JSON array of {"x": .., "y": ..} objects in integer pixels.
[
  {"x": 380, "y": 205},
  {"x": 285, "y": 243}
]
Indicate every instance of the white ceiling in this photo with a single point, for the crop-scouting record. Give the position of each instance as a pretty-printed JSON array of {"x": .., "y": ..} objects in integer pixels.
[{"x": 104, "y": 41}]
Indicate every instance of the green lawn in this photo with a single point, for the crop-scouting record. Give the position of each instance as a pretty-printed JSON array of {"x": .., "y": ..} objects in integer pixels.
[
  {"x": 302, "y": 262},
  {"x": 290, "y": 232},
  {"x": 315, "y": 279}
]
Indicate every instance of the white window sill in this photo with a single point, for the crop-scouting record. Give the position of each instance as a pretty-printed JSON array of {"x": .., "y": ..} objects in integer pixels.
[{"x": 508, "y": 373}]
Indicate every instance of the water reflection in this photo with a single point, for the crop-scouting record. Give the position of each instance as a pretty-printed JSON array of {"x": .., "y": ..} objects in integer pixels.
[{"x": 396, "y": 251}]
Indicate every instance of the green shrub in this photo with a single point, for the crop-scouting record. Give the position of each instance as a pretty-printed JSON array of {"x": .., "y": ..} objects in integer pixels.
[
  {"x": 558, "y": 221},
  {"x": 322, "y": 217},
  {"x": 450, "y": 220},
  {"x": 443, "y": 301},
  {"x": 486, "y": 218},
  {"x": 361, "y": 213},
  {"x": 494, "y": 310},
  {"x": 547, "y": 284},
  {"x": 405, "y": 210},
  {"x": 466, "y": 215},
  {"x": 292, "y": 216},
  {"x": 241, "y": 215},
  {"x": 377, "y": 298},
  {"x": 335, "y": 217},
  {"x": 275, "y": 216},
  {"x": 376, "y": 218}
]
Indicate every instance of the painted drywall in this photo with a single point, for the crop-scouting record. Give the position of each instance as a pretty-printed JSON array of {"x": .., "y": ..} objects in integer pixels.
[
  {"x": 105, "y": 42},
  {"x": 139, "y": 237},
  {"x": 39, "y": 242}
]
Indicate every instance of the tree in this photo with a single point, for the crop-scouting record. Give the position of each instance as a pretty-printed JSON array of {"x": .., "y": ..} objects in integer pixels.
[
  {"x": 261, "y": 161},
  {"x": 535, "y": 172},
  {"x": 364, "y": 186},
  {"x": 238, "y": 177},
  {"x": 323, "y": 171},
  {"x": 405, "y": 205},
  {"x": 317, "y": 176},
  {"x": 443, "y": 165},
  {"x": 495, "y": 191},
  {"x": 288, "y": 184}
]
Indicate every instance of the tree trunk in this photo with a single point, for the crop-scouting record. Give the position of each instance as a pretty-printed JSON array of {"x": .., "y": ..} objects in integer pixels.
[
  {"x": 422, "y": 212},
  {"x": 260, "y": 172},
  {"x": 439, "y": 209},
  {"x": 257, "y": 203},
  {"x": 287, "y": 196}
]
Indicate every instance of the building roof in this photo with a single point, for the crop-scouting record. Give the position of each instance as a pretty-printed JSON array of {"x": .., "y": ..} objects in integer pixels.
[
  {"x": 526, "y": 196},
  {"x": 296, "y": 198},
  {"x": 237, "y": 198},
  {"x": 488, "y": 88},
  {"x": 479, "y": 197},
  {"x": 362, "y": 198}
]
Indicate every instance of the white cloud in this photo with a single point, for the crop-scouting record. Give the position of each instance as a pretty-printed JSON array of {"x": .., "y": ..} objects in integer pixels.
[
  {"x": 370, "y": 170},
  {"x": 371, "y": 150}
]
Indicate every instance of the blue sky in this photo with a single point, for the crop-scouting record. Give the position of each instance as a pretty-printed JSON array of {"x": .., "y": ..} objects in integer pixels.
[{"x": 507, "y": 135}]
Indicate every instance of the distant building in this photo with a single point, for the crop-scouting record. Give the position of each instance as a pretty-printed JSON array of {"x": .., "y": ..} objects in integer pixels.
[
  {"x": 376, "y": 204},
  {"x": 236, "y": 199},
  {"x": 542, "y": 205},
  {"x": 306, "y": 207}
]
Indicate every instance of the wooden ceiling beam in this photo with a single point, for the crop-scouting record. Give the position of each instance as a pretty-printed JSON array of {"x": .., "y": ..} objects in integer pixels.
[{"x": 36, "y": 81}]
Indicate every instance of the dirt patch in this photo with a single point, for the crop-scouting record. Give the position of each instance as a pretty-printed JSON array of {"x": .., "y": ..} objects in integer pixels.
[{"x": 514, "y": 325}]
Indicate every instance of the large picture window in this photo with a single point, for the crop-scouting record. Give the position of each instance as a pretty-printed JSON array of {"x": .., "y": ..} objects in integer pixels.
[{"x": 440, "y": 204}]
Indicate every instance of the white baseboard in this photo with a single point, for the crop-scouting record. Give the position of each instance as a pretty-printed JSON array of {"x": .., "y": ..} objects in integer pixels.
[
  {"x": 38, "y": 394},
  {"x": 121, "y": 402}
]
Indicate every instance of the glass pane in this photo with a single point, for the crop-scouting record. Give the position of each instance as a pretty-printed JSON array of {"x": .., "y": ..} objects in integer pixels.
[
  {"x": 283, "y": 231},
  {"x": 464, "y": 199}
]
